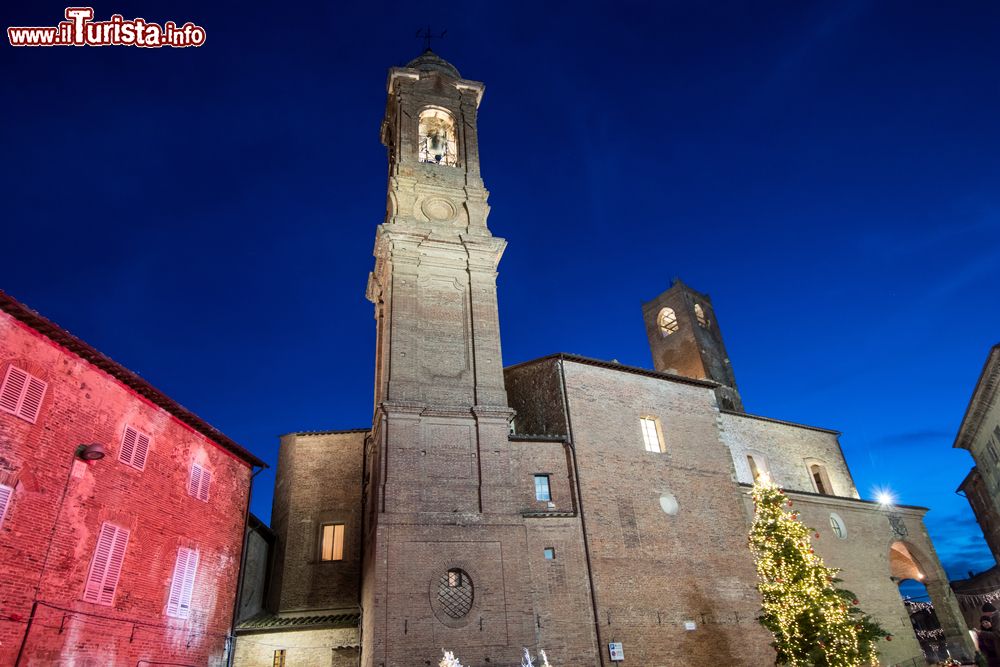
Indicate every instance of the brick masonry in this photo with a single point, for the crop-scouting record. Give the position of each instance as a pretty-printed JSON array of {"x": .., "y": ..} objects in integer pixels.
[{"x": 52, "y": 540}]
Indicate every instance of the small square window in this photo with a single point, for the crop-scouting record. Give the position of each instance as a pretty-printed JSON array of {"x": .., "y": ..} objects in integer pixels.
[
  {"x": 550, "y": 553},
  {"x": 542, "y": 490},
  {"x": 331, "y": 542}
]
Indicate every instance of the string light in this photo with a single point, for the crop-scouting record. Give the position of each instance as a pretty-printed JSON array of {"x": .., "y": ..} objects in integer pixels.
[{"x": 814, "y": 622}]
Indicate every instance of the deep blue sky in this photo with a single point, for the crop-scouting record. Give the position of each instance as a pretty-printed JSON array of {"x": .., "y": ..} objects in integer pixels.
[{"x": 826, "y": 171}]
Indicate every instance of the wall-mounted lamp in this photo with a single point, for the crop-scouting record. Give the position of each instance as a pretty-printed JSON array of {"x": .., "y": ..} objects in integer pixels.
[{"x": 92, "y": 452}]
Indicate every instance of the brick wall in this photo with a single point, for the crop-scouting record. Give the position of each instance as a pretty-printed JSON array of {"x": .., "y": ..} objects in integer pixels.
[
  {"x": 337, "y": 647},
  {"x": 84, "y": 405},
  {"x": 318, "y": 481},
  {"x": 652, "y": 571}
]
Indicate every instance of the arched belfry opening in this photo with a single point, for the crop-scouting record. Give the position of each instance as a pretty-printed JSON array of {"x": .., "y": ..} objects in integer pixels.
[{"x": 937, "y": 629}]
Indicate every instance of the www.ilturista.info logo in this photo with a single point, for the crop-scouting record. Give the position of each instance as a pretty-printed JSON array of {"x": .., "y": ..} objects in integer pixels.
[{"x": 79, "y": 29}]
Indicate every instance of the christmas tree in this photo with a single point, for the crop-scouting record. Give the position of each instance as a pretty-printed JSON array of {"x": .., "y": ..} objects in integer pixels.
[
  {"x": 814, "y": 622},
  {"x": 449, "y": 660}
]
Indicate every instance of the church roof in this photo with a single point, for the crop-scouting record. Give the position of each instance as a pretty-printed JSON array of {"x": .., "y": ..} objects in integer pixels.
[
  {"x": 428, "y": 61},
  {"x": 68, "y": 341}
]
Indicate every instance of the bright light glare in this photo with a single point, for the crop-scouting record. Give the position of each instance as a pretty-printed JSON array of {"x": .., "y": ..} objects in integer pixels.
[{"x": 884, "y": 497}]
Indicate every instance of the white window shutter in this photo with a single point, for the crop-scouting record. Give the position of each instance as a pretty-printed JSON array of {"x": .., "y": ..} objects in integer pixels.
[
  {"x": 206, "y": 481},
  {"x": 14, "y": 382},
  {"x": 200, "y": 480},
  {"x": 21, "y": 394},
  {"x": 31, "y": 404},
  {"x": 182, "y": 585},
  {"x": 135, "y": 448},
  {"x": 194, "y": 484},
  {"x": 141, "y": 449},
  {"x": 6, "y": 493},
  {"x": 102, "y": 582},
  {"x": 128, "y": 445}
]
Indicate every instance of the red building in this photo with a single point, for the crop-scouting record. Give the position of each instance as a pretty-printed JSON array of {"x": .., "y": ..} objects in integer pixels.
[{"x": 121, "y": 513}]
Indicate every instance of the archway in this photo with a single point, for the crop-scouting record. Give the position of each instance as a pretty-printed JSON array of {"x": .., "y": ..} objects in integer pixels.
[{"x": 929, "y": 603}]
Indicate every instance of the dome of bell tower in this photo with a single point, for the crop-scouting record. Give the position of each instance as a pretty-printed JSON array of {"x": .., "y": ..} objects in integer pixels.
[{"x": 428, "y": 61}]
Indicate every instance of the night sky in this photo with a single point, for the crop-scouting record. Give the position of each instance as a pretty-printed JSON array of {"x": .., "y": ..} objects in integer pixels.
[{"x": 827, "y": 172}]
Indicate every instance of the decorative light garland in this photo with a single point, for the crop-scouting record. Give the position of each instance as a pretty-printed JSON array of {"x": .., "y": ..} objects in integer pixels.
[{"x": 814, "y": 622}]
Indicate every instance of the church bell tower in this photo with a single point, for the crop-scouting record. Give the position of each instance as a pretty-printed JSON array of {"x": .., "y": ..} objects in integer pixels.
[
  {"x": 444, "y": 547},
  {"x": 685, "y": 339}
]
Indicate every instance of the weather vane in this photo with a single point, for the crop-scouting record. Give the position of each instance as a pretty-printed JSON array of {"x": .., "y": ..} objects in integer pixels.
[{"x": 427, "y": 36}]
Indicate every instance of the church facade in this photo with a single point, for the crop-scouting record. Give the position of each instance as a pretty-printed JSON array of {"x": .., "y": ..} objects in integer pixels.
[{"x": 564, "y": 503}]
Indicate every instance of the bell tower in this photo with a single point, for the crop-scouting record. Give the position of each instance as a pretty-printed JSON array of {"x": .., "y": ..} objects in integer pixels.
[
  {"x": 444, "y": 546},
  {"x": 685, "y": 339}
]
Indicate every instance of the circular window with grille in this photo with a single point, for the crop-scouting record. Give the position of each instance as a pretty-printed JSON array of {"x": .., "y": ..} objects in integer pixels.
[{"x": 455, "y": 593}]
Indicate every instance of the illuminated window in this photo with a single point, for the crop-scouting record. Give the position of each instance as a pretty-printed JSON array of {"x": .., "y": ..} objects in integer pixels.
[
  {"x": 542, "y": 490},
  {"x": 838, "y": 526},
  {"x": 667, "y": 321},
  {"x": 437, "y": 143},
  {"x": 651, "y": 434},
  {"x": 331, "y": 542},
  {"x": 549, "y": 553},
  {"x": 699, "y": 314},
  {"x": 279, "y": 658}
]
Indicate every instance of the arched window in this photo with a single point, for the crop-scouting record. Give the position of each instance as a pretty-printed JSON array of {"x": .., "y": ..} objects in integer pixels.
[
  {"x": 820, "y": 478},
  {"x": 699, "y": 314},
  {"x": 758, "y": 467},
  {"x": 438, "y": 143},
  {"x": 667, "y": 321}
]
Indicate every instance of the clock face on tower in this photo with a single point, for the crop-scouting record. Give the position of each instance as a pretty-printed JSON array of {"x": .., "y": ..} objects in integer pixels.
[{"x": 438, "y": 144}]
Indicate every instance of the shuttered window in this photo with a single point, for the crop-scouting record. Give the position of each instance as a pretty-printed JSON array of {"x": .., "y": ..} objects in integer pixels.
[
  {"x": 200, "y": 480},
  {"x": 6, "y": 494},
  {"x": 107, "y": 565},
  {"x": 135, "y": 447},
  {"x": 182, "y": 585},
  {"x": 21, "y": 394}
]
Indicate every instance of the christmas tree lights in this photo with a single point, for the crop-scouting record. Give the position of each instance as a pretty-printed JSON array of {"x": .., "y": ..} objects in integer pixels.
[{"x": 814, "y": 622}]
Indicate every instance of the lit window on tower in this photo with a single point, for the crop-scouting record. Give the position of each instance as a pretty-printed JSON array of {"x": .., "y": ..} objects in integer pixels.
[
  {"x": 699, "y": 314},
  {"x": 438, "y": 143},
  {"x": 667, "y": 321}
]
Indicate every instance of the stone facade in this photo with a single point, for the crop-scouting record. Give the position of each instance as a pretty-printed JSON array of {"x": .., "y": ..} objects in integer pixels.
[
  {"x": 979, "y": 434},
  {"x": 560, "y": 504},
  {"x": 58, "y": 504}
]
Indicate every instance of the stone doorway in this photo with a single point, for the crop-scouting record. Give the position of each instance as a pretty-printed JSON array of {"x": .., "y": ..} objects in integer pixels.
[{"x": 940, "y": 628}]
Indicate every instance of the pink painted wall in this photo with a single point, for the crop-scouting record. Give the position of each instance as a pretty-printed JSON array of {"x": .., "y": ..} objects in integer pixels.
[{"x": 82, "y": 404}]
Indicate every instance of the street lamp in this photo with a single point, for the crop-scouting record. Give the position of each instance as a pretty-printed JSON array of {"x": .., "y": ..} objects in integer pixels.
[{"x": 83, "y": 452}]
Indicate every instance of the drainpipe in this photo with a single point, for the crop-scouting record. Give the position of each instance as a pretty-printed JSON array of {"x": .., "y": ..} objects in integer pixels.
[
  {"x": 239, "y": 578},
  {"x": 583, "y": 520}
]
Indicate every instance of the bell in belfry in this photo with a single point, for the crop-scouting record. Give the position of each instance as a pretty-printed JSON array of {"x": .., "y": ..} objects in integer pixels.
[{"x": 438, "y": 145}]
